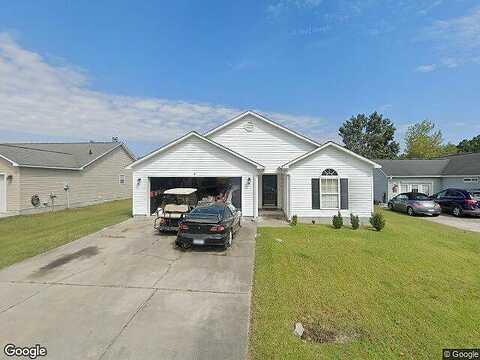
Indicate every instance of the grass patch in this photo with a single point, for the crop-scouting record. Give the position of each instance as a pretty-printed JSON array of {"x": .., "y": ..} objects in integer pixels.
[
  {"x": 22, "y": 237},
  {"x": 403, "y": 293}
]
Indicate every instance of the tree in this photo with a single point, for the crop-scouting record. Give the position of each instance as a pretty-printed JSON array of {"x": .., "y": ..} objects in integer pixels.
[
  {"x": 422, "y": 141},
  {"x": 370, "y": 136},
  {"x": 472, "y": 145}
]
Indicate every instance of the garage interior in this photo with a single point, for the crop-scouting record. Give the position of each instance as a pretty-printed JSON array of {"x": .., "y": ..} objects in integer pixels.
[{"x": 206, "y": 187}]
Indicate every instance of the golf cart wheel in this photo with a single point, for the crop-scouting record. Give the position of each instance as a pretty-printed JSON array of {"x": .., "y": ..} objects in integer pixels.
[
  {"x": 410, "y": 211},
  {"x": 457, "y": 211}
]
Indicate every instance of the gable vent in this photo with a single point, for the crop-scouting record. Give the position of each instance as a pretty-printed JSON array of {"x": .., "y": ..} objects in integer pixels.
[{"x": 248, "y": 126}]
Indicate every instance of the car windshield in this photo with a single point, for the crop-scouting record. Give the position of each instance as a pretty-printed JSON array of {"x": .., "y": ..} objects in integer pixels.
[
  {"x": 420, "y": 197},
  {"x": 207, "y": 211},
  {"x": 475, "y": 194}
]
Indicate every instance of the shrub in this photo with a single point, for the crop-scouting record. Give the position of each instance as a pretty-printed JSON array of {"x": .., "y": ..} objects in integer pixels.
[
  {"x": 294, "y": 220},
  {"x": 354, "y": 221},
  {"x": 337, "y": 221},
  {"x": 378, "y": 221}
]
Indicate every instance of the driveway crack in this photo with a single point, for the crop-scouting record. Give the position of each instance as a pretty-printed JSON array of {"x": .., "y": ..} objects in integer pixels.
[{"x": 140, "y": 308}]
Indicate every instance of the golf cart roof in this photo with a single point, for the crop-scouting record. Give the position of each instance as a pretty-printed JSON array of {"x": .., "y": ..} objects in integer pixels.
[{"x": 180, "y": 191}]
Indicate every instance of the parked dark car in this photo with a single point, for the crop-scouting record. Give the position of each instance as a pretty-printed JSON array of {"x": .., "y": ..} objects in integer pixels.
[
  {"x": 459, "y": 201},
  {"x": 213, "y": 224},
  {"x": 414, "y": 203}
]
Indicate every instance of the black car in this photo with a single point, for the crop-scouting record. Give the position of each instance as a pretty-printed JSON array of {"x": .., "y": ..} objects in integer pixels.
[
  {"x": 414, "y": 203},
  {"x": 459, "y": 201},
  {"x": 213, "y": 224}
]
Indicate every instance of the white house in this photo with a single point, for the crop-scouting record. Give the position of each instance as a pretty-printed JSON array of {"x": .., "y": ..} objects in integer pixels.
[{"x": 274, "y": 167}]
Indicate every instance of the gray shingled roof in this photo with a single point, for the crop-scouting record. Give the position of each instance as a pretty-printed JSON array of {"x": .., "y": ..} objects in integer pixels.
[
  {"x": 464, "y": 164},
  {"x": 56, "y": 155}
]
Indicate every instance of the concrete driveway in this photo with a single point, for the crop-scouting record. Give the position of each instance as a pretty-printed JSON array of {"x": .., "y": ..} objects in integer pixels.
[
  {"x": 464, "y": 223},
  {"x": 127, "y": 293}
]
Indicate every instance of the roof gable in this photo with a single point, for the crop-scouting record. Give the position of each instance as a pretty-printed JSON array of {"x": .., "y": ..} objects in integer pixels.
[
  {"x": 324, "y": 146},
  {"x": 188, "y": 136},
  {"x": 65, "y": 156},
  {"x": 264, "y": 119}
]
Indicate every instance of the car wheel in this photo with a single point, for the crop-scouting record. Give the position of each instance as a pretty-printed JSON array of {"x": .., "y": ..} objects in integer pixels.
[
  {"x": 229, "y": 240},
  {"x": 436, "y": 215},
  {"x": 410, "y": 211},
  {"x": 390, "y": 206},
  {"x": 457, "y": 211}
]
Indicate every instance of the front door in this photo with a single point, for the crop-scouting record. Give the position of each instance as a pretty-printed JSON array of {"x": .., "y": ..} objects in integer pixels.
[{"x": 269, "y": 190}]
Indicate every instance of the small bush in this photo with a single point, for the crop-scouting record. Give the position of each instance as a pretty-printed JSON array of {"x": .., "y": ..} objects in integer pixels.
[
  {"x": 377, "y": 221},
  {"x": 337, "y": 221},
  {"x": 294, "y": 220},
  {"x": 354, "y": 221}
]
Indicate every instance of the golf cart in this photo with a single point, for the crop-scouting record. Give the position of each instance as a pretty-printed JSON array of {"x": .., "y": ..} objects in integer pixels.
[{"x": 174, "y": 204}]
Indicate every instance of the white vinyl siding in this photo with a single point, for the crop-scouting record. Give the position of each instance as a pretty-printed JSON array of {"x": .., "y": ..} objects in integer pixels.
[
  {"x": 360, "y": 183},
  {"x": 98, "y": 182},
  {"x": 193, "y": 157},
  {"x": 262, "y": 142}
]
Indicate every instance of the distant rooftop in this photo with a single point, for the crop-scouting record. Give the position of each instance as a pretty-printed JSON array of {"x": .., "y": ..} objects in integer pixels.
[
  {"x": 458, "y": 164},
  {"x": 56, "y": 155}
]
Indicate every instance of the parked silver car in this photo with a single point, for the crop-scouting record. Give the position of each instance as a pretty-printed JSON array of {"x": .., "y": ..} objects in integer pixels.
[{"x": 415, "y": 203}]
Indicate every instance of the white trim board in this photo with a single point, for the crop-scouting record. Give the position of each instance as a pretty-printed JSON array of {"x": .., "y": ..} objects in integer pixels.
[
  {"x": 3, "y": 206},
  {"x": 327, "y": 144}
]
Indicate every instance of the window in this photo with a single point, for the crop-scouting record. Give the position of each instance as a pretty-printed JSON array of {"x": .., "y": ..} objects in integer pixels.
[
  {"x": 455, "y": 194},
  {"x": 416, "y": 187},
  {"x": 329, "y": 190},
  {"x": 329, "y": 172},
  {"x": 121, "y": 179}
]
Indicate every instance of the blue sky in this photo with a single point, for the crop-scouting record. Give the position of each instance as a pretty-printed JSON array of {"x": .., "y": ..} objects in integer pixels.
[{"x": 149, "y": 71}]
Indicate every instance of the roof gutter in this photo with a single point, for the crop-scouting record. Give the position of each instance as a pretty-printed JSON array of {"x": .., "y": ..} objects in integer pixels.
[{"x": 10, "y": 161}]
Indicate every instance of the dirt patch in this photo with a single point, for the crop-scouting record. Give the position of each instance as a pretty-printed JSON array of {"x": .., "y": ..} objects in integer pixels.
[
  {"x": 83, "y": 253},
  {"x": 321, "y": 333}
]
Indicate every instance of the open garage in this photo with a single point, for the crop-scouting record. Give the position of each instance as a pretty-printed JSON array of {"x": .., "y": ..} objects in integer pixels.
[
  {"x": 208, "y": 189},
  {"x": 194, "y": 161}
]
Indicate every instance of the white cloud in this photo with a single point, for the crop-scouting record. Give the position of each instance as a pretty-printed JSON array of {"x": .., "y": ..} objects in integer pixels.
[
  {"x": 426, "y": 68},
  {"x": 456, "y": 40},
  {"x": 48, "y": 100},
  {"x": 279, "y": 7},
  {"x": 463, "y": 31}
]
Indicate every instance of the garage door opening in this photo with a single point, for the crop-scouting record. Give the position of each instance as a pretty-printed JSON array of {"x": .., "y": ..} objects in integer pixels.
[{"x": 207, "y": 187}]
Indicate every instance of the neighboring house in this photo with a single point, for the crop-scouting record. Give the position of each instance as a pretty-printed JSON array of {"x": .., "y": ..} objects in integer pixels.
[
  {"x": 40, "y": 176},
  {"x": 273, "y": 166},
  {"x": 426, "y": 176}
]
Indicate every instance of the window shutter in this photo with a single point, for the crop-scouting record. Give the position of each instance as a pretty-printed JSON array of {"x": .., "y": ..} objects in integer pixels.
[
  {"x": 343, "y": 194},
  {"x": 315, "y": 193}
]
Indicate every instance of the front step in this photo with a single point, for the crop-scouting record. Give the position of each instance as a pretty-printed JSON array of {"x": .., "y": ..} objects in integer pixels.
[{"x": 272, "y": 214}]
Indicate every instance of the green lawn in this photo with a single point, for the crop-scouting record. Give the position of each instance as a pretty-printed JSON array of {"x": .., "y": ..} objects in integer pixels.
[
  {"x": 24, "y": 236},
  {"x": 403, "y": 293}
]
